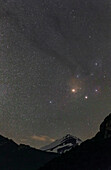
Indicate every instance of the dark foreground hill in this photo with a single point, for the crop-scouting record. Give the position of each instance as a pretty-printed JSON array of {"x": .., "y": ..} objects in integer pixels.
[
  {"x": 21, "y": 157},
  {"x": 93, "y": 154}
]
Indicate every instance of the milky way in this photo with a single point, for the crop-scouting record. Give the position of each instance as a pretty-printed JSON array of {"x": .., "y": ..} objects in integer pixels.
[{"x": 55, "y": 67}]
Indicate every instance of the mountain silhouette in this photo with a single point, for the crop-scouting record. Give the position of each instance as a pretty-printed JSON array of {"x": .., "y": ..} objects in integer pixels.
[
  {"x": 21, "y": 157},
  {"x": 93, "y": 154}
]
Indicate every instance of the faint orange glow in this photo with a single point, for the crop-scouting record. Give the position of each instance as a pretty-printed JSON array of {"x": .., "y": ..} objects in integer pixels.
[
  {"x": 76, "y": 85},
  {"x": 42, "y": 138}
]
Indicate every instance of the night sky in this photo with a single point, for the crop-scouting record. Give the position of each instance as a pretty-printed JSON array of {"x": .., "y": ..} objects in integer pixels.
[{"x": 55, "y": 68}]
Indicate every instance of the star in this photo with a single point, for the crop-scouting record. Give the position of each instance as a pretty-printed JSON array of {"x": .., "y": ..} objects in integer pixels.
[
  {"x": 50, "y": 102},
  {"x": 73, "y": 90},
  {"x": 96, "y": 90},
  {"x": 96, "y": 64},
  {"x": 77, "y": 75},
  {"x": 88, "y": 124},
  {"x": 92, "y": 74},
  {"x": 86, "y": 97}
]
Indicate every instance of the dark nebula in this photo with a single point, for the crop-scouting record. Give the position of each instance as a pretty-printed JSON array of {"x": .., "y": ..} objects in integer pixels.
[{"x": 55, "y": 67}]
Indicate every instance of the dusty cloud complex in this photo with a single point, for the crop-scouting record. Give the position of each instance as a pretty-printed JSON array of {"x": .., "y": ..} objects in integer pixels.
[{"x": 55, "y": 66}]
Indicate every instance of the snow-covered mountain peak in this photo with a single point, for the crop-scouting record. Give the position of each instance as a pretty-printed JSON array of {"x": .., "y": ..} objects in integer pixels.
[{"x": 63, "y": 144}]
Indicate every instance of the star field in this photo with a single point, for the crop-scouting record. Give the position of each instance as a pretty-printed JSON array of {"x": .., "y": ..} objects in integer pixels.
[{"x": 55, "y": 67}]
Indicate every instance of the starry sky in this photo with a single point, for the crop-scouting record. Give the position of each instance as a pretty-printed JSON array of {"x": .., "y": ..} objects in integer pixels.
[{"x": 55, "y": 68}]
